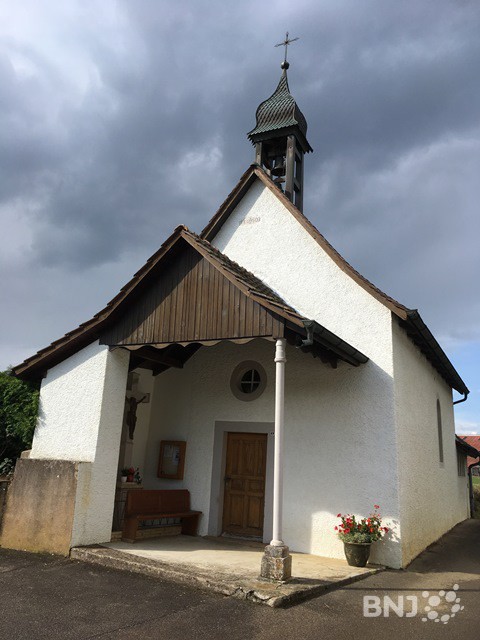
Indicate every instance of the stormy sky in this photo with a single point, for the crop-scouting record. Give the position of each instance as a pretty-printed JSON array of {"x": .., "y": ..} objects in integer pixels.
[{"x": 122, "y": 119}]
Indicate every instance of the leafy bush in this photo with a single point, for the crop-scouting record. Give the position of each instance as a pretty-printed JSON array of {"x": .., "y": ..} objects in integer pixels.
[
  {"x": 18, "y": 415},
  {"x": 476, "y": 500}
]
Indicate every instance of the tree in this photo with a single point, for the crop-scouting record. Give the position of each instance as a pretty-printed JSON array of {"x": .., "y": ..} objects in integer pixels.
[{"x": 18, "y": 415}]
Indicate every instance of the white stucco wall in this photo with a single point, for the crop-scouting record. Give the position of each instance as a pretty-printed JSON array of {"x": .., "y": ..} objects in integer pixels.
[
  {"x": 338, "y": 449},
  {"x": 81, "y": 410},
  {"x": 71, "y": 398},
  {"x": 433, "y": 498},
  {"x": 265, "y": 238}
]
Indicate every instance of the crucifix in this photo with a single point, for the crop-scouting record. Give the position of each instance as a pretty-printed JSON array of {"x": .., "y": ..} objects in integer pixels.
[
  {"x": 285, "y": 44},
  {"x": 131, "y": 415},
  {"x": 133, "y": 398}
]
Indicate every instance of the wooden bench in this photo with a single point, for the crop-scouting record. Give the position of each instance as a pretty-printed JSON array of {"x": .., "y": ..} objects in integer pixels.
[{"x": 154, "y": 504}]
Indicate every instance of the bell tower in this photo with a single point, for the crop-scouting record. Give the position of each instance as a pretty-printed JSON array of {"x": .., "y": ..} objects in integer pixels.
[{"x": 280, "y": 137}]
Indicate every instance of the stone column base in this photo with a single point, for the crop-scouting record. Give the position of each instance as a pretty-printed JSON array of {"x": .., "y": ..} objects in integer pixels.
[{"x": 276, "y": 564}]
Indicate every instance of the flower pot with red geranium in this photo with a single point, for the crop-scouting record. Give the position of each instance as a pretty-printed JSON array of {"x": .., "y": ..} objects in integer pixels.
[
  {"x": 128, "y": 473},
  {"x": 358, "y": 535}
]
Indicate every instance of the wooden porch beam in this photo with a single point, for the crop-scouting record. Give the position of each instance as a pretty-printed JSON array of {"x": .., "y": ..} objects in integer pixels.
[
  {"x": 150, "y": 354},
  {"x": 316, "y": 350}
]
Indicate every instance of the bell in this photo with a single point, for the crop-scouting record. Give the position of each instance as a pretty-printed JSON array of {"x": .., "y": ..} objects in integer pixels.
[{"x": 278, "y": 170}]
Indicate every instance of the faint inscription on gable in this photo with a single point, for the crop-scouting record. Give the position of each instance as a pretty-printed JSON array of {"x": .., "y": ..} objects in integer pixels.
[{"x": 250, "y": 220}]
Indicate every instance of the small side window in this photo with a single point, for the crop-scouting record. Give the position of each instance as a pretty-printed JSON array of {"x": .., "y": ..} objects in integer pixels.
[
  {"x": 461, "y": 464},
  {"x": 440, "y": 432}
]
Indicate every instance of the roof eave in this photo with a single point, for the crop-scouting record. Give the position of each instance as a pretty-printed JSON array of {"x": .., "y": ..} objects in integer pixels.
[
  {"x": 467, "y": 448},
  {"x": 280, "y": 132},
  {"x": 427, "y": 343},
  {"x": 35, "y": 367},
  {"x": 334, "y": 343}
]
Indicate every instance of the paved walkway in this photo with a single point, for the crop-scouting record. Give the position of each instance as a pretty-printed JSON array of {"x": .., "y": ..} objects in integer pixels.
[
  {"x": 49, "y": 598},
  {"x": 232, "y": 555},
  {"x": 224, "y": 565}
]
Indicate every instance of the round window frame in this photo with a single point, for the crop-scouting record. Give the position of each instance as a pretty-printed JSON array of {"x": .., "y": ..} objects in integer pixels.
[{"x": 236, "y": 379}]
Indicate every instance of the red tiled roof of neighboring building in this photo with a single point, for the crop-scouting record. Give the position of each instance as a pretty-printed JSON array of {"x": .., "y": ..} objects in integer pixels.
[{"x": 473, "y": 441}]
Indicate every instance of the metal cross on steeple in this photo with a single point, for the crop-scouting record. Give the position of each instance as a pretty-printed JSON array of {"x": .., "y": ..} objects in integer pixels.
[{"x": 285, "y": 44}]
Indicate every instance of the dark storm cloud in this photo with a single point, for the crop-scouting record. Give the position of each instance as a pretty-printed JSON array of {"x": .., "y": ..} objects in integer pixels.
[
  {"x": 121, "y": 121},
  {"x": 30, "y": 144}
]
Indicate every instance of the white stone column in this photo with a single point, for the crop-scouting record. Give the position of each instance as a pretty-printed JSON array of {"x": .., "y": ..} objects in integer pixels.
[
  {"x": 277, "y": 561},
  {"x": 280, "y": 360}
]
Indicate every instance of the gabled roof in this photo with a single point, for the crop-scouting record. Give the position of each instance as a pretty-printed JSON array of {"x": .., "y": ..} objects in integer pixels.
[
  {"x": 248, "y": 283},
  {"x": 470, "y": 445},
  {"x": 409, "y": 319},
  {"x": 87, "y": 332},
  {"x": 255, "y": 172}
]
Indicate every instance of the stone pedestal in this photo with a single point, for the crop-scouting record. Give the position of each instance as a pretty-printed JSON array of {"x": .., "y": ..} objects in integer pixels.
[{"x": 276, "y": 564}]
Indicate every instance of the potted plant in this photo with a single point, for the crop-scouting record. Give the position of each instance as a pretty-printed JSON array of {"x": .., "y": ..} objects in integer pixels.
[
  {"x": 357, "y": 536},
  {"x": 124, "y": 474}
]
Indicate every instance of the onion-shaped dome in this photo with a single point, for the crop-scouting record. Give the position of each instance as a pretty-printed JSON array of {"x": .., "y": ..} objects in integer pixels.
[{"x": 278, "y": 113}]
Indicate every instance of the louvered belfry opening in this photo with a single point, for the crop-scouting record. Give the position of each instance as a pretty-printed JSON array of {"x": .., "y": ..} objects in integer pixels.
[{"x": 280, "y": 140}]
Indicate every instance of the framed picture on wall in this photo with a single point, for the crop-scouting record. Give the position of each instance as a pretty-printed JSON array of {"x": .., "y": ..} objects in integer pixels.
[{"x": 171, "y": 461}]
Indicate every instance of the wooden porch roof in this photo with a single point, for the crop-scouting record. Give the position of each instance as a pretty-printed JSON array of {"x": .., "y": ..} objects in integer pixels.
[{"x": 188, "y": 294}]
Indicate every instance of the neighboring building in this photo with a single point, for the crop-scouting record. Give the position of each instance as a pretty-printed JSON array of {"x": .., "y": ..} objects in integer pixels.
[
  {"x": 467, "y": 456},
  {"x": 473, "y": 441},
  {"x": 198, "y": 338}
]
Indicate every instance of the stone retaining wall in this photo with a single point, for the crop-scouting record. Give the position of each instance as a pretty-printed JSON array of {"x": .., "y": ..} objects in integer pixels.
[{"x": 4, "y": 483}]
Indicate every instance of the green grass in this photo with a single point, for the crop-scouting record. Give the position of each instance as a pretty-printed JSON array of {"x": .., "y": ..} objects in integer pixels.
[{"x": 476, "y": 481}]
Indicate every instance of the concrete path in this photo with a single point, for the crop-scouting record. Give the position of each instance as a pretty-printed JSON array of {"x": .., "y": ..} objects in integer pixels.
[
  {"x": 227, "y": 554},
  {"x": 43, "y": 597},
  {"x": 224, "y": 565}
]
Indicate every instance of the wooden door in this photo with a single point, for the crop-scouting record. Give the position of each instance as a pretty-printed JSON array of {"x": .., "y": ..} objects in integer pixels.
[{"x": 245, "y": 484}]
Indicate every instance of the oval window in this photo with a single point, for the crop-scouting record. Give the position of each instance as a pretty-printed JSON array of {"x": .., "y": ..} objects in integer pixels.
[{"x": 248, "y": 381}]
